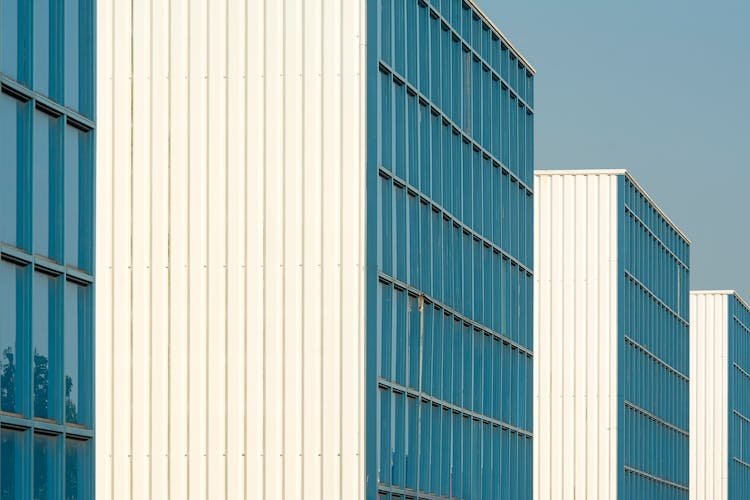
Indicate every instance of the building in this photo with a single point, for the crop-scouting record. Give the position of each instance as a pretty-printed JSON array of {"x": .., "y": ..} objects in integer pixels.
[
  {"x": 611, "y": 340},
  {"x": 719, "y": 407},
  {"x": 47, "y": 124},
  {"x": 313, "y": 251}
]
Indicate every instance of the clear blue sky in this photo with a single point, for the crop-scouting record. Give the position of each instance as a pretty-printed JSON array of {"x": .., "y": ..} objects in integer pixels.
[{"x": 661, "y": 88}]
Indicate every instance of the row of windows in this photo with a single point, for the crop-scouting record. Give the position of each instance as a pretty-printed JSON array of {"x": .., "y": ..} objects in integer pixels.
[
  {"x": 655, "y": 267},
  {"x": 739, "y": 437},
  {"x": 740, "y": 388},
  {"x": 46, "y": 45},
  {"x": 419, "y": 246},
  {"x": 31, "y": 463},
  {"x": 47, "y": 373},
  {"x": 418, "y": 44},
  {"x": 646, "y": 321},
  {"x": 430, "y": 448},
  {"x": 739, "y": 479},
  {"x": 650, "y": 385},
  {"x": 654, "y": 448},
  {"x": 739, "y": 367},
  {"x": 426, "y": 348},
  {"x": 419, "y": 147},
  {"x": 46, "y": 197},
  {"x": 639, "y": 204},
  {"x": 636, "y": 485},
  {"x": 477, "y": 107}
]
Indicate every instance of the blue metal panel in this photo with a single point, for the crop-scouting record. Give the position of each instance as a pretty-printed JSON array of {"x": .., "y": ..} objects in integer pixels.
[
  {"x": 653, "y": 355},
  {"x": 47, "y": 132},
  {"x": 739, "y": 406}
]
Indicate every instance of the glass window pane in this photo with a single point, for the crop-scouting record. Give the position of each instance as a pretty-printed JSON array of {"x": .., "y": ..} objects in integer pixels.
[
  {"x": 14, "y": 190},
  {"x": 47, "y": 206},
  {"x": 14, "y": 290},
  {"x": 47, "y": 47},
  {"x": 14, "y": 57},
  {"x": 13, "y": 464},
  {"x": 77, "y": 470},
  {"x": 77, "y": 55},
  {"x": 45, "y": 458},
  {"x": 77, "y": 354},
  {"x": 46, "y": 323},
  {"x": 78, "y": 198}
]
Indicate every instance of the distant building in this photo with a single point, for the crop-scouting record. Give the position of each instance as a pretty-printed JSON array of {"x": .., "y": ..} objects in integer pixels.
[
  {"x": 47, "y": 248},
  {"x": 611, "y": 345},
  {"x": 719, "y": 396}
]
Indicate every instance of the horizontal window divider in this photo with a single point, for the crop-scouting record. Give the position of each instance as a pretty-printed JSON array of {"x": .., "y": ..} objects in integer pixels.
[
  {"x": 453, "y": 408},
  {"x": 16, "y": 255},
  {"x": 78, "y": 276},
  {"x": 656, "y": 419},
  {"x": 658, "y": 479},
  {"x": 742, "y": 371},
  {"x": 44, "y": 103},
  {"x": 15, "y": 421},
  {"x": 47, "y": 266},
  {"x": 742, "y": 417},
  {"x": 80, "y": 122},
  {"x": 648, "y": 291},
  {"x": 16, "y": 90},
  {"x": 78, "y": 432},
  {"x": 408, "y": 493},
  {"x": 48, "y": 427},
  {"x": 437, "y": 208},
  {"x": 448, "y": 121},
  {"x": 661, "y": 243},
  {"x": 656, "y": 358},
  {"x": 388, "y": 279},
  {"x": 741, "y": 324},
  {"x": 741, "y": 462},
  {"x": 437, "y": 15}
]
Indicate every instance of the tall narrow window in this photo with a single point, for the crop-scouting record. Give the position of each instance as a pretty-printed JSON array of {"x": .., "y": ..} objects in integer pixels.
[
  {"x": 46, "y": 325},
  {"x": 14, "y": 188},
  {"x": 14, "y": 282},
  {"x": 77, "y": 340},
  {"x": 46, "y": 180}
]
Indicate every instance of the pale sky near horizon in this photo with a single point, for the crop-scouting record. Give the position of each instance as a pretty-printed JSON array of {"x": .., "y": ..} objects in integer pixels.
[{"x": 659, "y": 88}]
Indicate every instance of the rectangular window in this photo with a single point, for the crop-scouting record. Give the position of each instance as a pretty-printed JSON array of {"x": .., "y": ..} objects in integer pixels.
[
  {"x": 78, "y": 63},
  {"x": 78, "y": 198},
  {"x": 14, "y": 43},
  {"x": 48, "y": 48},
  {"x": 45, "y": 467},
  {"x": 14, "y": 188},
  {"x": 77, "y": 469},
  {"x": 14, "y": 463},
  {"x": 77, "y": 352},
  {"x": 14, "y": 318},
  {"x": 45, "y": 325},
  {"x": 47, "y": 183}
]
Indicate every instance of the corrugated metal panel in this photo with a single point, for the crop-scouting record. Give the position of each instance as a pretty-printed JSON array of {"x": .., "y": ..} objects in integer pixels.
[
  {"x": 575, "y": 335},
  {"x": 709, "y": 320},
  {"x": 230, "y": 249}
]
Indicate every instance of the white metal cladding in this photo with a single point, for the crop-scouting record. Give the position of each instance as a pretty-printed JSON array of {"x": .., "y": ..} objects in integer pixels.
[
  {"x": 575, "y": 335},
  {"x": 230, "y": 249},
  {"x": 709, "y": 405}
]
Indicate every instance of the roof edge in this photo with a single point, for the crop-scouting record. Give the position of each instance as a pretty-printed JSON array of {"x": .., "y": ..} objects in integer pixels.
[
  {"x": 722, "y": 292},
  {"x": 618, "y": 171},
  {"x": 502, "y": 36}
]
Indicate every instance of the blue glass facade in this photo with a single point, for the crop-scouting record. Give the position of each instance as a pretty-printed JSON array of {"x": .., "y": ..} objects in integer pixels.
[
  {"x": 46, "y": 248},
  {"x": 653, "y": 359},
  {"x": 450, "y": 256},
  {"x": 739, "y": 404}
]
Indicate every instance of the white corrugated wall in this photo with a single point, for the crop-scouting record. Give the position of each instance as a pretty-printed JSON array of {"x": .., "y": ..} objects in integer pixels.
[
  {"x": 230, "y": 249},
  {"x": 575, "y": 336},
  {"x": 709, "y": 453}
]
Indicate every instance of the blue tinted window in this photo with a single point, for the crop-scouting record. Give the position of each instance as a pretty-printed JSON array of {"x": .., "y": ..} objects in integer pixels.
[
  {"x": 77, "y": 472},
  {"x": 45, "y": 470},
  {"x": 78, "y": 198},
  {"x": 46, "y": 182},
  {"x": 14, "y": 45},
  {"x": 13, "y": 464},
  {"x": 14, "y": 290},
  {"x": 76, "y": 353},
  {"x": 78, "y": 55},
  {"x": 14, "y": 190},
  {"x": 47, "y": 47},
  {"x": 46, "y": 323}
]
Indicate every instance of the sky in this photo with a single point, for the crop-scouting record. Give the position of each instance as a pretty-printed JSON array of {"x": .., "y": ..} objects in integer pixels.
[{"x": 660, "y": 88}]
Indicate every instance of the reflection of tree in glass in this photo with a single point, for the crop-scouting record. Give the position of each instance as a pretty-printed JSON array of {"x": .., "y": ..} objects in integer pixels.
[
  {"x": 41, "y": 460},
  {"x": 71, "y": 474},
  {"x": 41, "y": 385},
  {"x": 71, "y": 412},
  {"x": 8, "y": 380}
]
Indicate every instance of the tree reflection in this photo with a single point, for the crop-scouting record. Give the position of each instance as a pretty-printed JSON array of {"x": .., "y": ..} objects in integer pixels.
[
  {"x": 41, "y": 385},
  {"x": 71, "y": 411},
  {"x": 8, "y": 380}
]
